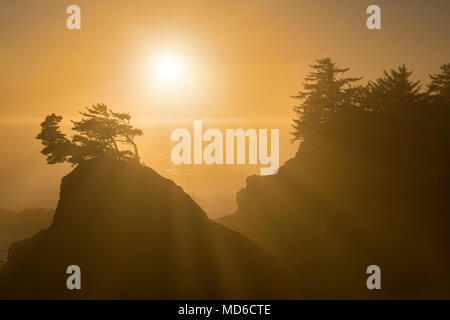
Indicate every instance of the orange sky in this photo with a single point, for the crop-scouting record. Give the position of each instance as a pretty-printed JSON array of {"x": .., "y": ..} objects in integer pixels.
[{"x": 246, "y": 58}]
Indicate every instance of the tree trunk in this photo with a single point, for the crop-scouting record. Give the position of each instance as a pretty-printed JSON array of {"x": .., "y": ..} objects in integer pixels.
[{"x": 136, "y": 154}]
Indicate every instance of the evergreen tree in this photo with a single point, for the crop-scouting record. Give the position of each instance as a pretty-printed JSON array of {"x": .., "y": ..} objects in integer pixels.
[
  {"x": 325, "y": 91},
  {"x": 98, "y": 133},
  {"x": 57, "y": 147},
  {"x": 392, "y": 92},
  {"x": 439, "y": 88}
]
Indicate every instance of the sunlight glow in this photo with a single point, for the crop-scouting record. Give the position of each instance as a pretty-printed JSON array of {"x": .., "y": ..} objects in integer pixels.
[
  {"x": 169, "y": 69},
  {"x": 172, "y": 78}
]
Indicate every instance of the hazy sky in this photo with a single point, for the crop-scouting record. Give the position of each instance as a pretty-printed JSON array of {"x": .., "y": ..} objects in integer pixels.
[
  {"x": 241, "y": 59},
  {"x": 246, "y": 57}
]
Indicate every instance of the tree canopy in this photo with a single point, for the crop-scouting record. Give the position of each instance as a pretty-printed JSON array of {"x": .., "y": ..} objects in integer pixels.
[
  {"x": 393, "y": 91},
  {"x": 325, "y": 92},
  {"x": 439, "y": 88},
  {"x": 99, "y": 133},
  {"x": 394, "y": 94}
]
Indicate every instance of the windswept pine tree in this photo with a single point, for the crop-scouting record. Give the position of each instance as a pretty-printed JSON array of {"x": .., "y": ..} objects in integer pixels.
[
  {"x": 57, "y": 147},
  {"x": 100, "y": 132},
  {"x": 325, "y": 91}
]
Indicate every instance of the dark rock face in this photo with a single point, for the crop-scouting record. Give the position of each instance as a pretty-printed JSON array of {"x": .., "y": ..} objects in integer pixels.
[
  {"x": 24, "y": 223},
  {"x": 15, "y": 226},
  {"x": 369, "y": 191},
  {"x": 136, "y": 235}
]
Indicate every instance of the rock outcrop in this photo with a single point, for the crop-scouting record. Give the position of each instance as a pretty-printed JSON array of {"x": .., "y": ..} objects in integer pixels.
[{"x": 136, "y": 235}]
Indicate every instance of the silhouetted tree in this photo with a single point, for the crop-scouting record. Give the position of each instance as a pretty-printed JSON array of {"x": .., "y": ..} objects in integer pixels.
[
  {"x": 57, "y": 147},
  {"x": 439, "y": 88},
  {"x": 324, "y": 92},
  {"x": 98, "y": 133},
  {"x": 126, "y": 132},
  {"x": 392, "y": 92}
]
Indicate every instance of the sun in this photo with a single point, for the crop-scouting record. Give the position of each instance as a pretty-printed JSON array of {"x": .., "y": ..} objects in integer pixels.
[
  {"x": 170, "y": 76},
  {"x": 168, "y": 68}
]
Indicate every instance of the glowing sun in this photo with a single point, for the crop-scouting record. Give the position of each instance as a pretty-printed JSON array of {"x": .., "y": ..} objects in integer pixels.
[
  {"x": 169, "y": 76},
  {"x": 168, "y": 68}
]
